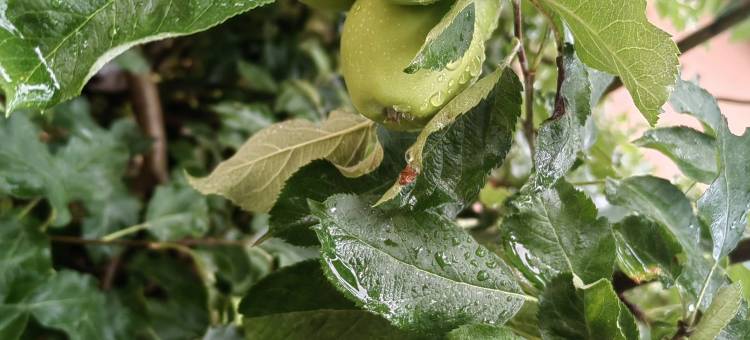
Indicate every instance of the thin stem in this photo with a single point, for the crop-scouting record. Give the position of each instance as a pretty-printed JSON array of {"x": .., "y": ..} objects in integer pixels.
[
  {"x": 734, "y": 100},
  {"x": 588, "y": 183},
  {"x": 147, "y": 103},
  {"x": 127, "y": 231},
  {"x": 540, "y": 52},
  {"x": 27, "y": 208},
  {"x": 528, "y": 77},
  {"x": 702, "y": 294},
  {"x": 208, "y": 242}
]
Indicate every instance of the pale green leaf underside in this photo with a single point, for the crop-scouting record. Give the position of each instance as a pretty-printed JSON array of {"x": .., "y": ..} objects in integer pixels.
[
  {"x": 255, "y": 175},
  {"x": 694, "y": 152},
  {"x": 417, "y": 269},
  {"x": 720, "y": 313},
  {"x": 49, "y": 49},
  {"x": 615, "y": 37}
]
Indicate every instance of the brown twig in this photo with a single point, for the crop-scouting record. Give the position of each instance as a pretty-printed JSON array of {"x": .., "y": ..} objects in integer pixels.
[
  {"x": 147, "y": 105},
  {"x": 734, "y": 100},
  {"x": 111, "y": 271},
  {"x": 206, "y": 242},
  {"x": 528, "y": 76},
  {"x": 719, "y": 25}
]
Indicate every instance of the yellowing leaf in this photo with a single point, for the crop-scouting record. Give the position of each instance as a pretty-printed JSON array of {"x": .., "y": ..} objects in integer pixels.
[{"x": 255, "y": 175}]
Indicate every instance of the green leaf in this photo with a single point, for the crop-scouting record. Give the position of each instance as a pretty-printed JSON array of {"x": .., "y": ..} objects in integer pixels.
[
  {"x": 589, "y": 312},
  {"x": 659, "y": 200},
  {"x": 177, "y": 211},
  {"x": 739, "y": 326},
  {"x": 661, "y": 308},
  {"x": 462, "y": 31},
  {"x": 557, "y": 230},
  {"x": 28, "y": 170},
  {"x": 291, "y": 218},
  {"x": 240, "y": 120},
  {"x": 298, "y": 288},
  {"x": 255, "y": 175},
  {"x": 88, "y": 167},
  {"x": 560, "y": 138},
  {"x": 455, "y": 152},
  {"x": 240, "y": 267},
  {"x": 647, "y": 250},
  {"x": 179, "y": 314},
  {"x": 740, "y": 273},
  {"x": 229, "y": 332},
  {"x": 725, "y": 204},
  {"x": 52, "y": 48},
  {"x": 323, "y": 325},
  {"x": 615, "y": 37},
  {"x": 23, "y": 251},
  {"x": 415, "y": 268},
  {"x": 482, "y": 332},
  {"x": 256, "y": 77},
  {"x": 691, "y": 99},
  {"x": 449, "y": 40},
  {"x": 67, "y": 301},
  {"x": 694, "y": 152},
  {"x": 724, "y": 307}
]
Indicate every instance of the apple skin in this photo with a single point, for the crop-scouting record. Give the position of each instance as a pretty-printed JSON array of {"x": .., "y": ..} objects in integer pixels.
[
  {"x": 380, "y": 39},
  {"x": 329, "y": 5},
  {"x": 414, "y": 2}
]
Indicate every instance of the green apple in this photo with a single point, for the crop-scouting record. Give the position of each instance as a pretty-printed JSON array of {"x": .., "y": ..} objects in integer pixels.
[
  {"x": 329, "y": 5},
  {"x": 379, "y": 40}
]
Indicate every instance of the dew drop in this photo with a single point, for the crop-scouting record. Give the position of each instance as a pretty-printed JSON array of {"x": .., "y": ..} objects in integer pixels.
[
  {"x": 481, "y": 252},
  {"x": 483, "y": 275},
  {"x": 442, "y": 260},
  {"x": 455, "y": 241},
  {"x": 453, "y": 65},
  {"x": 437, "y": 99}
]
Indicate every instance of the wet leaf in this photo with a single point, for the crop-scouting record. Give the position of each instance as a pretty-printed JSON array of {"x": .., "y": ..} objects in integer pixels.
[
  {"x": 482, "y": 332},
  {"x": 417, "y": 269},
  {"x": 322, "y": 324},
  {"x": 589, "y": 312},
  {"x": 291, "y": 218},
  {"x": 723, "y": 309},
  {"x": 52, "y": 48},
  {"x": 560, "y": 138},
  {"x": 301, "y": 287},
  {"x": 557, "y": 230},
  {"x": 456, "y": 151},
  {"x": 692, "y": 151},
  {"x": 647, "y": 250}
]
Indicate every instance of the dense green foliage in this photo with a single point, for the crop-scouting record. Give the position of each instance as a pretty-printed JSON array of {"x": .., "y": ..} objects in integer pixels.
[{"x": 514, "y": 208}]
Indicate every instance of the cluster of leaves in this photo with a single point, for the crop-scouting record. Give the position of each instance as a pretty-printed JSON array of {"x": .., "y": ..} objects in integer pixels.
[{"x": 361, "y": 232}]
